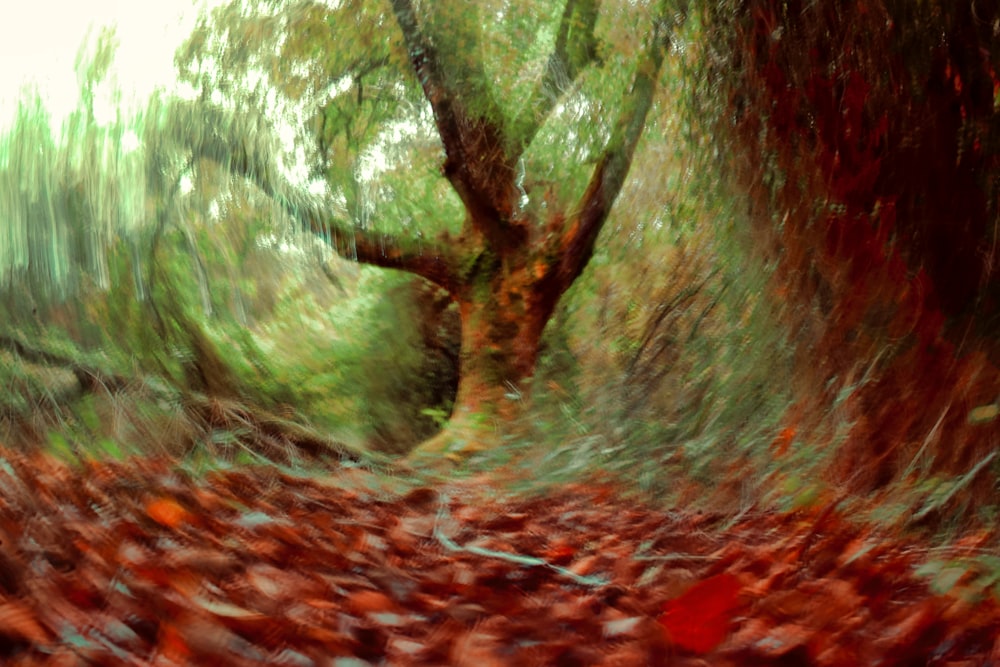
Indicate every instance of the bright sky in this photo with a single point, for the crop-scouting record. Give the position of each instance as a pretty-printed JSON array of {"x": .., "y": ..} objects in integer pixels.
[{"x": 39, "y": 41}]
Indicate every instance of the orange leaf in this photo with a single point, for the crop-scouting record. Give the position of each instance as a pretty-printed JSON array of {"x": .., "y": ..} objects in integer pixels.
[
  {"x": 19, "y": 622},
  {"x": 783, "y": 441},
  {"x": 172, "y": 644},
  {"x": 167, "y": 512},
  {"x": 698, "y": 620},
  {"x": 584, "y": 565},
  {"x": 369, "y": 602}
]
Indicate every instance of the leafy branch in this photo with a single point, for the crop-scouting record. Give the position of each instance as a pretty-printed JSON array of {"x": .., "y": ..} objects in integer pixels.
[
  {"x": 575, "y": 245},
  {"x": 223, "y": 139},
  {"x": 478, "y": 164},
  {"x": 575, "y": 49}
]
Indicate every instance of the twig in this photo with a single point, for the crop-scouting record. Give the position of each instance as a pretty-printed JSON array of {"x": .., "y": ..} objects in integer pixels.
[
  {"x": 517, "y": 559},
  {"x": 677, "y": 557}
]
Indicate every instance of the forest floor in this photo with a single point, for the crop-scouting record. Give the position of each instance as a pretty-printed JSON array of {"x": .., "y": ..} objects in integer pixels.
[{"x": 141, "y": 563}]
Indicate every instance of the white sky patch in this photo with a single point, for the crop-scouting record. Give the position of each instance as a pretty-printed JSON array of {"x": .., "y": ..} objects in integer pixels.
[
  {"x": 186, "y": 184},
  {"x": 39, "y": 42},
  {"x": 130, "y": 141}
]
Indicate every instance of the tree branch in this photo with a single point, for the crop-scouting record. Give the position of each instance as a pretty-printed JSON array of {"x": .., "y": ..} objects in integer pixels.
[
  {"x": 89, "y": 377},
  {"x": 434, "y": 261},
  {"x": 229, "y": 143},
  {"x": 575, "y": 49},
  {"x": 427, "y": 66},
  {"x": 478, "y": 161},
  {"x": 576, "y": 243}
]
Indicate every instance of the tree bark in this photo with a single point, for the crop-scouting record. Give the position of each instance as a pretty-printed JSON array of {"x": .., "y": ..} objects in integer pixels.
[{"x": 503, "y": 308}]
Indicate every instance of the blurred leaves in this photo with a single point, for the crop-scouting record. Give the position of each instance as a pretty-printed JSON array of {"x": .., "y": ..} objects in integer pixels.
[{"x": 139, "y": 561}]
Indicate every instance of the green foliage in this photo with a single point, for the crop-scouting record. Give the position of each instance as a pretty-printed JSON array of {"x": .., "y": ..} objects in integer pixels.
[
  {"x": 128, "y": 261},
  {"x": 972, "y": 578},
  {"x": 665, "y": 374},
  {"x": 121, "y": 241},
  {"x": 658, "y": 354},
  {"x": 367, "y": 368}
]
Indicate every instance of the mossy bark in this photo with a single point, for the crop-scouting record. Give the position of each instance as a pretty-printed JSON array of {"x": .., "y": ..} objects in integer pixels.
[{"x": 503, "y": 312}]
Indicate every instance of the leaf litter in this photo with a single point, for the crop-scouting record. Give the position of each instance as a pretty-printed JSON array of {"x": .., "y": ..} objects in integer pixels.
[{"x": 141, "y": 563}]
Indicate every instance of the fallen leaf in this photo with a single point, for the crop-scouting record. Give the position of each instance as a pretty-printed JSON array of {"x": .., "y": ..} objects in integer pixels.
[
  {"x": 622, "y": 626},
  {"x": 699, "y": 620},
  {"x": 559, "y": 552},
  {"x": 585, "y": 565},
  {"x": 369, "y": 602},
  {"x": 167, "y": 512},
  {"x": 20, "y": 623},
  {"x": 782, "y": 640}
]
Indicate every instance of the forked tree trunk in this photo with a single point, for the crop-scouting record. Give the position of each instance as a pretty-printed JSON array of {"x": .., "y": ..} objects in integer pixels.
[
  {"x": 506, "y": 272},
  {"x": 507, "y": 269}
]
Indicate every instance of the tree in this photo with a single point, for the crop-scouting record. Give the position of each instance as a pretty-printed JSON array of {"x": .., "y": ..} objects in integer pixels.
[{"x": 499, "y": 95}]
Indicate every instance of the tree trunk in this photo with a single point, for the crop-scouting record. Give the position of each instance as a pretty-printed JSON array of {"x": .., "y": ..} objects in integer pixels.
[{"x": 503, "y": 312}]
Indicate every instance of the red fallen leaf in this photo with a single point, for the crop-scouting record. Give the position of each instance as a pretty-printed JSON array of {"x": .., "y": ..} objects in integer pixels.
[
  {"x": 172, "y": 644},
  {"x": 166, "y": 512},
  {"x": 19, "y": 622},
  {"x": 368, "y": 601},
  {"x": 560, "y": 552},
  {"x": 585, "y": 565},
  {"x": 698, "y": 620}
]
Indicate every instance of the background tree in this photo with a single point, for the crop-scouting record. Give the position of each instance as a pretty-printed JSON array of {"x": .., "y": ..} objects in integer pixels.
[{"x": 393, "y": 89}]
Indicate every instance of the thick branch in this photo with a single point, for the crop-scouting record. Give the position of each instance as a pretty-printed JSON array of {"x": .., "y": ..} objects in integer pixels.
[
  {"x": 433, "y": 261},
  {"x": 427, "y": 66},
  {"x": 576, "y": 243},
  {"x": 478, "y": 161},
  {"x": 229, "y": 145},
  {"x": 575, "y": 49},
  {"x": 89, "y": 377}
]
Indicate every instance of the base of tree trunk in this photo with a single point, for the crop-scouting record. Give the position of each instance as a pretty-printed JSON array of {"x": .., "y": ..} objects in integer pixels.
[
  {"x": 455, "y": 444},
  {"x": 482, "y": 416}
]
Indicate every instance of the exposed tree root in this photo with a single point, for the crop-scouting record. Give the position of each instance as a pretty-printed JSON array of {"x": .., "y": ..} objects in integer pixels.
[
  {"x": 265, "y": 434},
  {"x": 456, "y": 443}
]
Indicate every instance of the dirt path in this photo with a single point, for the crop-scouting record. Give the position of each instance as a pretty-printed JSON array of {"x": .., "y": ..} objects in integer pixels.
[{"x": 136, "y": 564}]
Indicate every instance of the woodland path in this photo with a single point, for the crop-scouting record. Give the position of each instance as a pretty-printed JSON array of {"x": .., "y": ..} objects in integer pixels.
[{"x": 138, "y": 563}]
